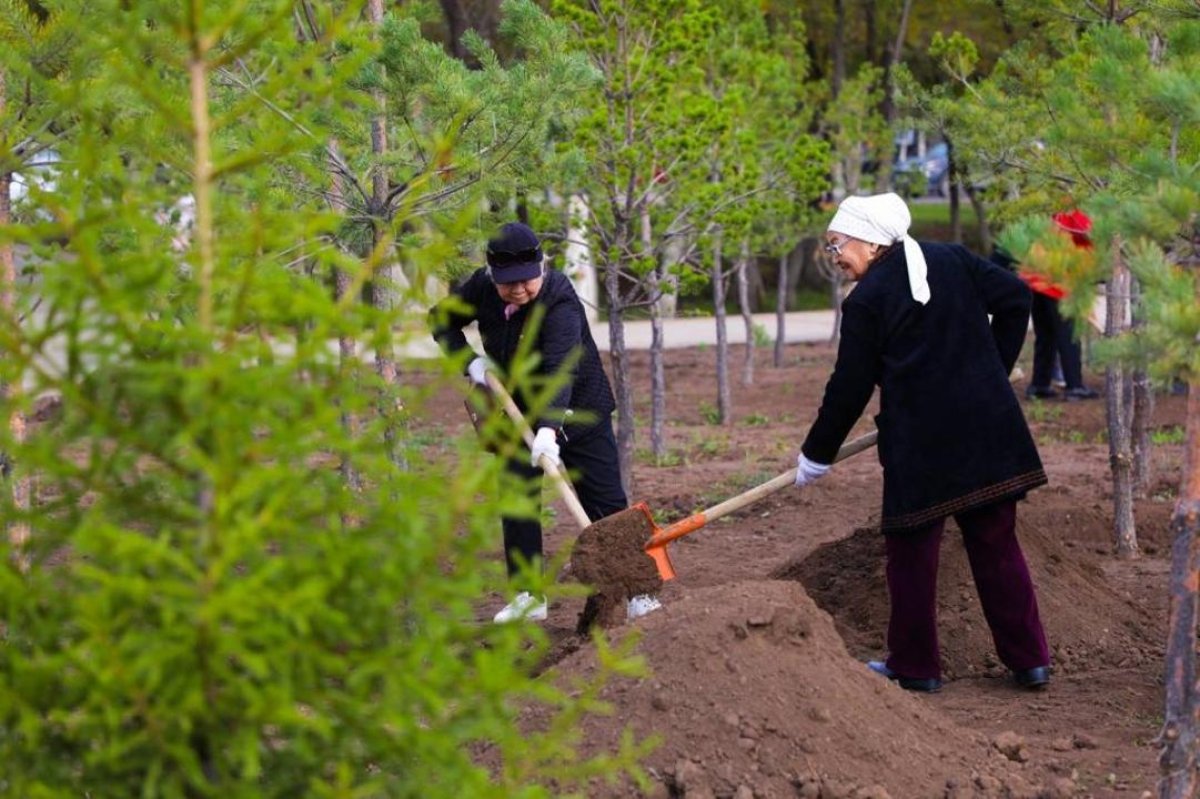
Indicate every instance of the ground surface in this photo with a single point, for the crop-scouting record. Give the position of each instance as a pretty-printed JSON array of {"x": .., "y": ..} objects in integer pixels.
[{"x": 758, "y": 687}]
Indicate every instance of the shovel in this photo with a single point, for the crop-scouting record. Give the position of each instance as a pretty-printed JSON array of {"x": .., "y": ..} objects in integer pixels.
[
  {"x": 656, "y": 547},
  {"x": 609, "y": 552},
  {"x": 548, "y": 466}
]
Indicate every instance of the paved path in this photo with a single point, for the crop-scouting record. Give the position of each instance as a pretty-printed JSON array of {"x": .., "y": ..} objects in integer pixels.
[
  {"x": 695, "y": 331},
  {"x": 799, "y": 326}
]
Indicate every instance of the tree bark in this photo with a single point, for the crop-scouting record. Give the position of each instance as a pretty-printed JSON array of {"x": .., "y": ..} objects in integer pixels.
[
  {"x": 346, "y": 345},
  {"x": 658, "y": 387},
  {"x": 456, "y": 26},
  {"x": 384, "y": 285},
  {"x": 1179, "y": 740},
  {"x": 718, "y": 287},
  {"x": 620, "y": 367},
  {"x": 743, "y": 287},
  {"x": 985, "y": 231},
  {"x": 18, "y": 531},
  {"x": 1143, "y": 412},
  {"x": 658, "y": 379},
  {"x": 839, "y": 48},
  {"x": 781, "y": 287},
  {"x": 1119, "y": 412},
  {"x": 953, "y": 190}
]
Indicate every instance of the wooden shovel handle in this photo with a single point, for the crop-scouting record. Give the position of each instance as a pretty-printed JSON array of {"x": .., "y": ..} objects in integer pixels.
[
  {"x": 698, "y": 520},
  {"x": 548, "y": 466}
]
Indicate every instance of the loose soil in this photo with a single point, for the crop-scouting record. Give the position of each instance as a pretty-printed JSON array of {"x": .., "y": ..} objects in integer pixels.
[{"x": 757, "y": 686}]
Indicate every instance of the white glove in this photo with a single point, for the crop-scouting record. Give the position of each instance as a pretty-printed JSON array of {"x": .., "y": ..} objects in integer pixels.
[
  {"x": 476, "y": 370},
  {"x": 807, "y": 471},
  {"x": 545, "y": 443}
]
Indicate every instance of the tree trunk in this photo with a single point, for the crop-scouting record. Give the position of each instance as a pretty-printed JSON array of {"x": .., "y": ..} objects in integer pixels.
[
  {"x": 883, "y": 180},
  {"x": 1179, "y": 740},
  {"x": 953, "y": 190},
  {"x": 620, "y": 367},
  {"x": 578, "y": 257},
  {"x": 1120, "y": 447},
  {"x": 18, "y": 531},
  {"x": 668, "y": 284},
  {"x": 835, "y": 288},
  {"x": 985, "y": 231},
  {"x": 743, "y": 287},
  {"x": 658, "y": 387},
  {"x": 658, "y": 380},
  {"x": 781, "y": 308},
  {"x": 1143, "y": 412},
  {"x": 456, "y": 26},
  {"x": 384, "y": 284},
  {"x": 839, "y": 48},
  {"x": 346, "y": 345},
  {"x": 718, "y": 288}
]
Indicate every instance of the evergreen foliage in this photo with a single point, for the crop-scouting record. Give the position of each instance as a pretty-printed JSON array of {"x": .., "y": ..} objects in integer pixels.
[{"x": 204, "y": 607}]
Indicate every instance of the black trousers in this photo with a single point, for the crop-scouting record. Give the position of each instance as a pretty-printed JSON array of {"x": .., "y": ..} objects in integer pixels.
[
  {"x": 590, "y": 458},
  {"x": 1054, "y": 335}
]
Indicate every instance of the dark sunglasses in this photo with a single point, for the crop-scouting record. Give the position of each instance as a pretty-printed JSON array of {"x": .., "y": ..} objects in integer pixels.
[{"x": 502, "y": 259}]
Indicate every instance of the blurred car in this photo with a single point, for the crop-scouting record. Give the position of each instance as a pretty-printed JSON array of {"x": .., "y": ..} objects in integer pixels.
[{"x": 925, "y": 174}]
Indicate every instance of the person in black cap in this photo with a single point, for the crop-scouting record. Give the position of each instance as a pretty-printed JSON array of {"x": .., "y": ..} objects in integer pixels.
[{"x": 576, "y": 429}]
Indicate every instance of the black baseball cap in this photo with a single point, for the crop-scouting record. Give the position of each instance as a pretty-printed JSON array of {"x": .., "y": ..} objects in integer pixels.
[{"x": 514, "y": 254}]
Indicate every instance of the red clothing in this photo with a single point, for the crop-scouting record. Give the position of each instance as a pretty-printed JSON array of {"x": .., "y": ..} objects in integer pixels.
[{"x": 1078, "y": 225}]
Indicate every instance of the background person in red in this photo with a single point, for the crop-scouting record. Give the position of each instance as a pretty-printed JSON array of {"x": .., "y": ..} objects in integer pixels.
[{"x": 1053, "y": 334}]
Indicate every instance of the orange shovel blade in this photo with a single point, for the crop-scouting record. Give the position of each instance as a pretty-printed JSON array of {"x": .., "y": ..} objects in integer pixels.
[{"x": 656, "y": 547}]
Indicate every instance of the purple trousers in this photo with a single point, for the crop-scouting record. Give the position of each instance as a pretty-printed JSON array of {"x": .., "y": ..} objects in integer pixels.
[{"x": 1001, "y": 577}]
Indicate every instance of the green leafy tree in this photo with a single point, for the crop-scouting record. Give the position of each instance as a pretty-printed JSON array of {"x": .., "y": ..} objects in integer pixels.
[
  {"x": 206, "y": 608},
  {"x": 642, "y": 146}
]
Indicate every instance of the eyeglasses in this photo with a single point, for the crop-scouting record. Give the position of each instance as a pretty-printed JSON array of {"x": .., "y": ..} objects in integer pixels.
[
  {"x": 503, "y": 259},
  {"x": 835, "y": 248}
]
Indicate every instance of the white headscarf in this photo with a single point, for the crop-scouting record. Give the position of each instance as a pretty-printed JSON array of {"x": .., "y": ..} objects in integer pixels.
[{"x": 884, "y": 219}]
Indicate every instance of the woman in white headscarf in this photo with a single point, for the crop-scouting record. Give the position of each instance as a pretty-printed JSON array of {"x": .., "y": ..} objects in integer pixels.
[{"x": 952, "y": 438}]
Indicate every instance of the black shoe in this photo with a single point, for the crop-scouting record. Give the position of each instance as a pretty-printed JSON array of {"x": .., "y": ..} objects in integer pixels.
[
  {"x": 928, "y": 685},
  {"x": 1033, "y": 679},
  {"x": 1080, "y": 393},
  {"x": 1040, "y": 392}
]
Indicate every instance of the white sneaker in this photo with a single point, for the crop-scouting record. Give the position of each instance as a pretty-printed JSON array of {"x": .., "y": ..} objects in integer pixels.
[
  {"x": 523, "y": 606},
  {"x": 640, "y": 605}
]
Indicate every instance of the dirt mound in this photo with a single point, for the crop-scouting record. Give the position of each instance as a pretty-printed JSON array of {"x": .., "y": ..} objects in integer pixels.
[
  {"x": 1088, "y": 624},
  {"x": 755, "y": 695}
]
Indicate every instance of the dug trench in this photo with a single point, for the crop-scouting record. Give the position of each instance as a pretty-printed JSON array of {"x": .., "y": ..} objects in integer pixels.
[{"x": 755, "y": 683}]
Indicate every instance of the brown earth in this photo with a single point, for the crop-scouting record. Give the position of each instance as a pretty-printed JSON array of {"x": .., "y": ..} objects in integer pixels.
[{"x": 757, "y": 685}]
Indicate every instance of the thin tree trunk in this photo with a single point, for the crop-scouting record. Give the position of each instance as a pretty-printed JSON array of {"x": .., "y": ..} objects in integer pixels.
[
  {"x": 1179, "y": 740},
  {"x": 839, "y": 48},
  {"x": 658, "y": 387},
  {"x": 718, "y": 287},
  {"x": 1143, "y": 412},
  {"x": 883, "y": 180},
  {"x": 835, "y": 289},
  {"x": 346, "y": 347},
  {"x": 658, "y": 380},
  {"x": 743, "y": 287},
  {"x": 781, "y": 309},
  {"x": 18, "y": 532},
  {"x": 620, "y": 368},
  {"x": 383, "y": 286},
  {"x": 953, "y": 189},
  {"x": 985, "y": 231},
  {"x": 456, "y": 26},
  {"x": 1118, "y": 396}
]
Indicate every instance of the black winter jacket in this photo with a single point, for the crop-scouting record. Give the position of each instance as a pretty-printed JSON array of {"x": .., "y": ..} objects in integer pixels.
[
  {"x": 952, "y": 436},
  {"x": 563, "y": 339}
]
